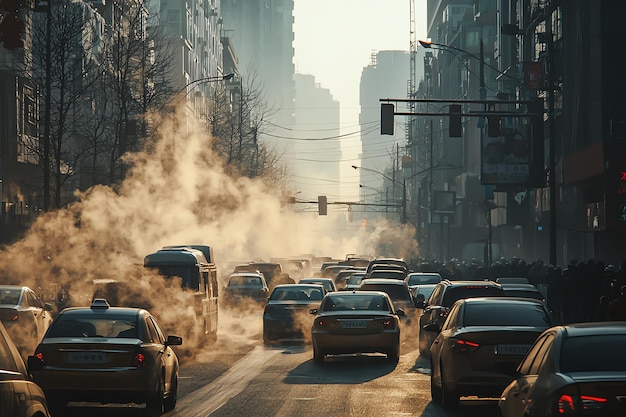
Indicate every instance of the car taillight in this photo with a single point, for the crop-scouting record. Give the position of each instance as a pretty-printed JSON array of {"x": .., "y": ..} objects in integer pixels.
[
  {"x": 40, "y": 357},
  {"x": 13, "y": 316},
  {"x": 319, "y": 322},
  {"x": 573, "y": 404},
  {"x": 463, "y": 346},
  {"x": 138, "y": 361}
]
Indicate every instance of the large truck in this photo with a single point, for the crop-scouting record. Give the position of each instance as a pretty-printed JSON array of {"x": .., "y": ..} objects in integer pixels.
[{"x": 198, "y": 276}]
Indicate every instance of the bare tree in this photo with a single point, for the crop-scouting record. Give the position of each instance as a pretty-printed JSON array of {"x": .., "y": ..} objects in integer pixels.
[
  {"x": 237, "y": 119},
  {"x": 139, "y": 61},
  {"x": 71, "y": 70}
]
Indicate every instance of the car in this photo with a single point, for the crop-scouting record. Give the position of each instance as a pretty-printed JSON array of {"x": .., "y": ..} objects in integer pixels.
[
  {"x": 353, "y": 282},
  {"x": 25, "y": 316},
  {"x": 512, "y": 280},
  {"x": 327, "y": 283},
  {"x": 243, "y": 287},
  {"x": 522, "y": 290},
  {"x": 480, "y": 344},
  {"x": 349, "y": 322},
  {"x": 387, "y": 273},
  {"x": 272, "y": 271},
  {"x": 422, "y": 292},
  {"x": 446, "y": 293},
  {"x": 342, "y": 276},
  {"x": 399, "y": 293},
  {"x": 387, "y": 263},
  {"x": 571, "y": 370},
  {"x": 21, "y": 397},
  {"x": 421, "y": 278},
  {"x": 107, "y": 354},
  {"x": 285, "y": 315}
]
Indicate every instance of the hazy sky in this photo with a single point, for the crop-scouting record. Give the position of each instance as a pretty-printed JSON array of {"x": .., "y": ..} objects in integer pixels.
[{"x": 334, "y": 40}]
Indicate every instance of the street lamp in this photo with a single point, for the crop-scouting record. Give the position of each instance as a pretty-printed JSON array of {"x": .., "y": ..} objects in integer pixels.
[
  {"x": 393, "y": 181},
  {"x": 193, "y": 83}
]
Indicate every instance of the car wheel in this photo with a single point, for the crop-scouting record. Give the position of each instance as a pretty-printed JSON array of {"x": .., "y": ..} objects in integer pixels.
[
  {"x": 318, "y": 355},
  {"x": 170, "y": 402},
  {"x": 435, "y": 391},
  {"x": 57, "y": 406},
  {"x": 155, "y": 405},
  {"x": 393, "y": 355},
  {"x": 449, "y": 397}
]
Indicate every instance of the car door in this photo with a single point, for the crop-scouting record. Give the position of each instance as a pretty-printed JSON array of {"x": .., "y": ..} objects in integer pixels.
[
  {"x": 42, "y": 317},
  {"x": 520, "y": 392},
  {"x": 167, "y": 355}
]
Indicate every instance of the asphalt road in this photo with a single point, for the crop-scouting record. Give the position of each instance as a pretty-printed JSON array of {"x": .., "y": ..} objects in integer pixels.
[{"x": 239, "y": 377}]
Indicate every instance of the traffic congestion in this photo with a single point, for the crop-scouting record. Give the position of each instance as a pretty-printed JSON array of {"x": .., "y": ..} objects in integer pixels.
[{"x": 478, "y": 348}]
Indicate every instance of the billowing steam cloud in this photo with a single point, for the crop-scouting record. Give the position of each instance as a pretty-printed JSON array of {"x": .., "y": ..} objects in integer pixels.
[{"x": 176, "y": 192}]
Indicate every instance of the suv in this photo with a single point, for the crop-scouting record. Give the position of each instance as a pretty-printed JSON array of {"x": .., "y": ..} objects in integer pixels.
[{"x": 436, "y": 308}]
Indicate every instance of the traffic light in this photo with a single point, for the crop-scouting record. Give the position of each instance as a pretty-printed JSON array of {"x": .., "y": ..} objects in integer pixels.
[
  {"x": 493, "y": 126},
  {"x": 11, "y": 31},
  {"x": 322, "y": 205},
  {"x": 455, "y": 128},
  {"x": 386, "y": 118}
]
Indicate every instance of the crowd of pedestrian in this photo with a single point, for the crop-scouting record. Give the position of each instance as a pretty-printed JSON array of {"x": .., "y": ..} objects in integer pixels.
[{"x": 579, "y": 292}]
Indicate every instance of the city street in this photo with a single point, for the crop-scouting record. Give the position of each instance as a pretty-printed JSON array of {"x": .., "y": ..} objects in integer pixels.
[{"x": 241, "y": 377}]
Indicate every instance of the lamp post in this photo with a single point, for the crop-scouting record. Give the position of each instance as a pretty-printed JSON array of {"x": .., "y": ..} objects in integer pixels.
[
  {"x": 404, "y": 180},
  {"x": 392, "y": 180},
  {"x": 205, "y": 80},
  {"x": 483, "y": 97}
]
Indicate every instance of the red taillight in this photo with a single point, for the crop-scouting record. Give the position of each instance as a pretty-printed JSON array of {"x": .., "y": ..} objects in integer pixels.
[
  {"x": 40, "y": 357},
  {"x": 570, "y": 404},
  {"x": 461, "y": 345},
  {"x": 13, "y": 316},
  {"x": 319, "y": 322},
  {"x": 138, "y": 361}
]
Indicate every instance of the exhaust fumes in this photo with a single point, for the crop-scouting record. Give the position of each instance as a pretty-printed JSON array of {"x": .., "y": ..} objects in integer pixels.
[{"x": 176, "y": 190}]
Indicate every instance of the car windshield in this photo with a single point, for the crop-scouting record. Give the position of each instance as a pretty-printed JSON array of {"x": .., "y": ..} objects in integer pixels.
[
  {"x": 499, "y": 314},
  {"x": 325, "y": 284},
  {"x": 356, "y": 302},
  {"x": 423, "y": 279},
  {"x": 10, "y": 296},
  {"x": 248, "y": 281},
  {"x": 456, "y": 293},
  {"x": 594, "y": 353},
  {"x": 395, "y": 292},
  {"x": 94, "y": 326},
  {"x": 297, "y": 293}
]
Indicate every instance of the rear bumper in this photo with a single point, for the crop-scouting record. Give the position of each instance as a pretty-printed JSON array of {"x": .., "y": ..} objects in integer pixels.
[{"x": 367, "y": 343}]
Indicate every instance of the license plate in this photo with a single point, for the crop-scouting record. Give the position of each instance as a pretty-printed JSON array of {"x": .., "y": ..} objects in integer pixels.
[
  {"x": 79, "y": 358},
  {"x": 512, "y": 349},
  {"x": 354, "y": 324}
]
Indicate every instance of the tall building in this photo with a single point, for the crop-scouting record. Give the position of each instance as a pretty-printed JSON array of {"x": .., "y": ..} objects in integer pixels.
[
  {"x": 386, "y": 76},
  {"x": 314, "y": 154},
  {"x": 261, "y": 32}
]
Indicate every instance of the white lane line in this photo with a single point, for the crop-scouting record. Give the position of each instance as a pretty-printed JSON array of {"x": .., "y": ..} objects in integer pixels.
[{"x": 209, "y": 398}]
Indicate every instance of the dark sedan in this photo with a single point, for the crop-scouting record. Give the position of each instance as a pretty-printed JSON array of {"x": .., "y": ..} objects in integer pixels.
[
  {"x": 286, "y": 313},
  {"x": 107, "y": 355},
  {"x": 356, "y": 322},
  {"x": 245, "y": 287},
  {"x": 571, "y": 370},
  {"x": 480, "y": 345}
]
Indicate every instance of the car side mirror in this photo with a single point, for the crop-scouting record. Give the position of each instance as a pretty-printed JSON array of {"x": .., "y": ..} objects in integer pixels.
[
  {"x": 34, "y": 364},
  {"x": 432, "y": 328},
  {"x": 174, "y": 341},
  {"x": 313, "y": 311}
]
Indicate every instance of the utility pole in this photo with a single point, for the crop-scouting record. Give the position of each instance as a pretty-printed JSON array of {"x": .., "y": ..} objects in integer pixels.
[
  {"x": 552, "y": 139},
  {"x": 47, "y": 121}
]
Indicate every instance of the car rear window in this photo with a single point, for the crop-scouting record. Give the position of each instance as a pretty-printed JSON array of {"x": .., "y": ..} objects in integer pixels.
[
  {"x": 10, "y": 296},
  {"x": 456, "y": 293},
  {"x": 395, "y": 292},
  {"x": 94, "y": 326},
  {"x": 245, "y": 281},
  {"x": 499, "y": 314},
  {"x": 356, "y": 302},
  {"x": 594, "y": 353},
  {"x": 297, "y": 293}
]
